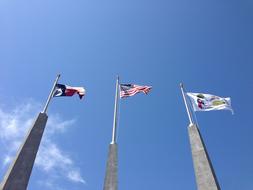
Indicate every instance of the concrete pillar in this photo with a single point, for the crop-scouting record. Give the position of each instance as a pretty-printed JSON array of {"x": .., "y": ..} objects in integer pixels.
[
  {"x": 111, "y": 176},
  {"x": 204, "y": 172},
  {"x": 18, "y": 174}
]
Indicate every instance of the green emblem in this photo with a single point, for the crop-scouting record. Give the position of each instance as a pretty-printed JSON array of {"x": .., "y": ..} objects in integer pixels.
[{"x": 218, "y": 102}]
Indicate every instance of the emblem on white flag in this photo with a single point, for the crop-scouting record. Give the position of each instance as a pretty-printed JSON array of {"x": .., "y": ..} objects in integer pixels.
[{"x": 209, "y": 102}]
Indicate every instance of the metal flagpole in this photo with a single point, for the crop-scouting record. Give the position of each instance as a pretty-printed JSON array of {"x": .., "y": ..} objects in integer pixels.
[
  {"x": 111, "y": 174},
  {"x": 51, "y": 94},
  {"x": 204, "y": 172},
  {"x": 115, "y": 119},
  {"x": 186, "y": 104}
]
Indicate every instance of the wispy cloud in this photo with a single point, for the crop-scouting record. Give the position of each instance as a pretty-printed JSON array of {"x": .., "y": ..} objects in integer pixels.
[
  {"x": 51, "y": 159},
  {"x": 74, "y": 175}
]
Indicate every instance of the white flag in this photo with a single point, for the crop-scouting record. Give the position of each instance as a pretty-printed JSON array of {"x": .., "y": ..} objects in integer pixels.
[{"x": 209, "y": 102}]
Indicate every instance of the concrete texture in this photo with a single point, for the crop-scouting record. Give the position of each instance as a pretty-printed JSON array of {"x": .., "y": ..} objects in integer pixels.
[
  {"x": 111, "y": 176},
  {"x": 204, "y": 172},
  {"x": 17, "y": 177}
]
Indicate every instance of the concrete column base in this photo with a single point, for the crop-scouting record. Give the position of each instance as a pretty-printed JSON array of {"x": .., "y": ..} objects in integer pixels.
[
  {"x": 18, "y": 174},
  {"x": 111, "y": 176},
  {"x": 204, "y": 172}
]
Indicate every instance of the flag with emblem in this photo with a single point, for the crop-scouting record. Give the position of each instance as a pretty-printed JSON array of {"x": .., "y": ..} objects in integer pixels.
[
  {"x": 65, "y": 90},
  {"x": 209, "y": 102}
]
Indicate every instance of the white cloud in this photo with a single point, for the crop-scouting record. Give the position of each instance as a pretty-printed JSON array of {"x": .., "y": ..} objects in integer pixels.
[
  {"x": 7, "y": 160},
  {"x": 51, "y": 159},
  {"x": 75, "y": 176},
  {"x": 56, "y": 124}
]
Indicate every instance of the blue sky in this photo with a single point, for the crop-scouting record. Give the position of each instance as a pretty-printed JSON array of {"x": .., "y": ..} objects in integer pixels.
[{"x": 205, "y": 44}]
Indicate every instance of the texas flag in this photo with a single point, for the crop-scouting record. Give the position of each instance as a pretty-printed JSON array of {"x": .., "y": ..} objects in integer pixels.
[{"x": 65, "y": 90}]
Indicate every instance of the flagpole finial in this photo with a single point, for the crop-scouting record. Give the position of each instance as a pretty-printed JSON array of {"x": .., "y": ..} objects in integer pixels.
[{"x": 181, "y": 85}]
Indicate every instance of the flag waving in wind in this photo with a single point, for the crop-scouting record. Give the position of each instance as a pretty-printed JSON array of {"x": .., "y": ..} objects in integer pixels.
[
  {"x": 65, "y": 90},
  {"x": 208, "y": 102},
  {"x": 127, "y": 90}
]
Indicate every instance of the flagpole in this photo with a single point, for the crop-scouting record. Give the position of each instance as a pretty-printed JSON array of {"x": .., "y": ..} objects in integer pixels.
[
  {"x": 186, "y": 104},
  {"x": 51, "y": 94},
  {"x": 115, "y": 119}
]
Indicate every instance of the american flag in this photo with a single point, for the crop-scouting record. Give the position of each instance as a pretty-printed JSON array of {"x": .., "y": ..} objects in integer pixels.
[{"x": 127, "y": 90}]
